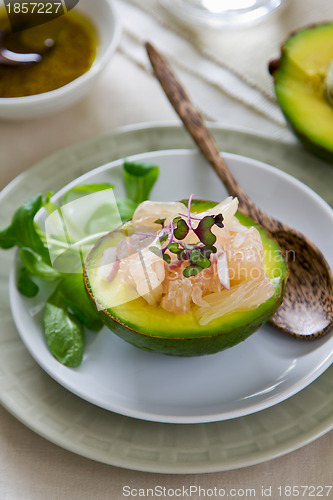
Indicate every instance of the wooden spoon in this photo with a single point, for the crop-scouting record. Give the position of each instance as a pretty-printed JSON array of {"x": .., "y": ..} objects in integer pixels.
[{"x": 307, "y": 308}]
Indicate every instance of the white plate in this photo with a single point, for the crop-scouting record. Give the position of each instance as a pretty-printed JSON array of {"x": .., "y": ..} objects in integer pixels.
[
  {"x": 262, "y": 371},
  {"x": 58, "y": 415}
]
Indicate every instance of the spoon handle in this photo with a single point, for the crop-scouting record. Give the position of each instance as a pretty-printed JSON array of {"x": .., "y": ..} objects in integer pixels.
[
  {"x": 306, "y": 310},
  {"x": 195, "y": 125}
]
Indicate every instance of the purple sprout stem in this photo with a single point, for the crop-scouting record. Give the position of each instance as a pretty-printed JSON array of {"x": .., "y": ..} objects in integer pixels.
[
  {"x": 184, "y": 247},
  {"x": 188, "y": 215},
  {"x": 189, "y": 211},
  {"x": 145, "y": 234},
  {"x": 172, "y": 233},
  {"x": 192, "y": 218}
]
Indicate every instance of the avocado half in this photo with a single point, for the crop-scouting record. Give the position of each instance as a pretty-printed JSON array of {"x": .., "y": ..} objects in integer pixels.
[
  {"x": 155, "y": 329},
  {"x": 303, "y": 80}
]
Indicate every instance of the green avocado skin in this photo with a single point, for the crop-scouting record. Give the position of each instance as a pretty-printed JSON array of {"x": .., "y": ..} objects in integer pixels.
[
  {"x": 193, "y": 346},
  {"x": 309, "y": 145},
  {"x": 188, "y": 346},
  {"x": 280, "y": 72}
]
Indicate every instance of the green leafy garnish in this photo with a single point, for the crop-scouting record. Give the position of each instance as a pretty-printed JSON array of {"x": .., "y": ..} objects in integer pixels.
[
  {"x": 181, "y": 230},
  {"x": 175, "y": 248},
  {"x": 25, "y": 285},
  {"x": 166, "y": 258},
  {"x": 139, "y": 180},
  {"x": 197, "y": 255},
  {"x": 76, "y": 299},
  {"x": 126, "y": 208},
  {"x": 157, "y": 251},
  {"x": 191, "y": 270},
  {"x": 163, "y": 238},
  {"x": 36, "y": 266},
  {"x": 69, "y": 309},
  {"x": 218, "y": 219},
  {"x": 83, "y": 190},
  {"x": 64, "y": 333},
  {"x": 22, "y": 230},
  {"x": 160, "y": 221},
  {"x": 203, "y": 263},
  {"x": 203, "y": 230}
]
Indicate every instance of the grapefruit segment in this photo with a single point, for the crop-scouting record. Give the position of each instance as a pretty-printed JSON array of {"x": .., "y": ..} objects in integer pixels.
[
  {"x": 238, "y": 257},
  {"x": 246, "y": 295},
  {"x": 149, "y": 211}
]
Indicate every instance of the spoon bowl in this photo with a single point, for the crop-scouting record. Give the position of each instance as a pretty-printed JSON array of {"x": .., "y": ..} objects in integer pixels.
[
  {"x": 20, "y": 56},
  {"x": 306, "y": 311}
]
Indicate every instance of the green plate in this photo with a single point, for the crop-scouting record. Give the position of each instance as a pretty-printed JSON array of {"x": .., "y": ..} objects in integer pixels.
[{"x": 61, "y": 417}]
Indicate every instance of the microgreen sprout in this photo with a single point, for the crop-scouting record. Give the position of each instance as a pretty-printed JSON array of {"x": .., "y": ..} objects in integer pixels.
[
  {"x": 197, "y": 255},
  {"x": 172, "y": 232},
  {"x": 160, "y": 221}
]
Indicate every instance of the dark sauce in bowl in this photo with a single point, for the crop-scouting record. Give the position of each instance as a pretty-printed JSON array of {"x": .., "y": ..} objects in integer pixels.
[{"x": 74, "y": 51}]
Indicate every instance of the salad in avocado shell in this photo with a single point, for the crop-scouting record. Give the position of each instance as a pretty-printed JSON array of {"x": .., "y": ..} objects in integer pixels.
[
  {"x": 210, "y": 278},
  {"x": 186, "y": 279}
]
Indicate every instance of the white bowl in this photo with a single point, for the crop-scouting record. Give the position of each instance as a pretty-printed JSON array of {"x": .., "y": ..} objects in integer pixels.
[{"x": 102, "y": 14}]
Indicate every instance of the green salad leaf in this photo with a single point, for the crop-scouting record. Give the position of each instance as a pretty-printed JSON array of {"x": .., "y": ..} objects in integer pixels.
[
  {"x": 68, "y": 310},
  {"x": 64, "y": 333},
  {"x": 139, "y": 180},
  {"x": 25, "y": 285},
  {"x": 126, "y": 208},
  {"x": 76, "y": 299},
  {"x": 84, "y": 189},
  {"x": 36, "y": 266},
  {"x": 22, "y": 231}
]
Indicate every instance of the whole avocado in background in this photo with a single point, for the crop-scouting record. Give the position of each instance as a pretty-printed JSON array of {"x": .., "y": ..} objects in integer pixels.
[{"x": 303, "y": 80}]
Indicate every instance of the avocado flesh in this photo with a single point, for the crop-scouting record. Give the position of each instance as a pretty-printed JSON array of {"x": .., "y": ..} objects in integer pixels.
[
  {"x": 154, "y": 328},
  {"x": 300, "y": 85}
]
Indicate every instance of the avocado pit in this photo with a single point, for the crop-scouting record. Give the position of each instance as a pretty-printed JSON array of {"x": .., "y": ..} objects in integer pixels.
[{"x": 328, "y": 84}]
